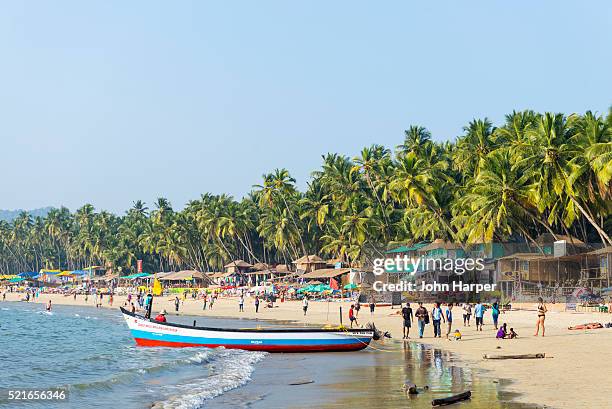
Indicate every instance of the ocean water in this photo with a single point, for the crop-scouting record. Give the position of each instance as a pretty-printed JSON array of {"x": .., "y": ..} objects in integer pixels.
[{"x": 91, "y": 353}]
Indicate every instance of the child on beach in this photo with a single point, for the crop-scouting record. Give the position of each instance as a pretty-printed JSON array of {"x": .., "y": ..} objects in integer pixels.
[
  {"x": 457, "y": 335},
  {"x": 513, "y": 334},
  {"x": 305, "y": 304},
  {"x": 352, "y": 316}
]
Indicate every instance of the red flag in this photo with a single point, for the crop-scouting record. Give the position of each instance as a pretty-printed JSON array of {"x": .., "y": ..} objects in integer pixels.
[
  {"x": 333, "y": 284},
  {"x": 139, "y": 266}
]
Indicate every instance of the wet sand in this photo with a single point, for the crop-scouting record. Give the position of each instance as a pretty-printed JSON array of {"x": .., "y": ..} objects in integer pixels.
[{"x": 573, "y": 375}]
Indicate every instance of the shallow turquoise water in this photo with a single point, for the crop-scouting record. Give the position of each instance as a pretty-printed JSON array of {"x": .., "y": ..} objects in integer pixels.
[{"x": 91, "y": 353}]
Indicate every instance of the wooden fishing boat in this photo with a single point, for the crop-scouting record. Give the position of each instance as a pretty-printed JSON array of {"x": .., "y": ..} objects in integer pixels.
[{"x": 147, "y": 332}]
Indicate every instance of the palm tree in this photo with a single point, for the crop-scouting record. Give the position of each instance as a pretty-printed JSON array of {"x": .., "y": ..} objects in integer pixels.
[{"x": 548, "y": 157}]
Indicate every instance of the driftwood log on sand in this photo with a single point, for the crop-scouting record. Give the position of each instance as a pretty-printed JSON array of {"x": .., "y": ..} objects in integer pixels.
[
  {"x": 521, "y": 356},
  {"x": 452, "y": 399}
]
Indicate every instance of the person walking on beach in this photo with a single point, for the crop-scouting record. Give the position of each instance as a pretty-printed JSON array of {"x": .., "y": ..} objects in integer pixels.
[
  {"x": 449, "y": 319},
  {"x": 357, "y": 308},
  {"x": 204, "y": 304},
  {"x": 49, "y": 306},
  {"x": 467, "y": 313},
  {"x": 422, "y": 318},
  {"x": 110, "y": 299},
  {"x": 372, "y": 305},
  {"x": 256, "y": 303},
  {"x": 479, "y": 313},
  {"x": 241, "y": 303},
  {"x": 352, "y": 315},
  {"x": 148, "y": 305},
  {"x": 212, "y": 301},
  {"x": 495, "y": 313},
  {"x": 305, "y": 304},
  {"x": 408, "y": 317},
  {"x": 437, "y": 316},
  {"x": 177, "y": 302},
  {"x": 542, "y": 310}
]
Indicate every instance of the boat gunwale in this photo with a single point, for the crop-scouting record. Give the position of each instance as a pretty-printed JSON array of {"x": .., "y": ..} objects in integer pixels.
[{"x": 257, "y": 330}]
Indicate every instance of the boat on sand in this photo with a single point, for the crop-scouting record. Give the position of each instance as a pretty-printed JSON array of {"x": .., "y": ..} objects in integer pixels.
[{"x": 148, "y": 332}]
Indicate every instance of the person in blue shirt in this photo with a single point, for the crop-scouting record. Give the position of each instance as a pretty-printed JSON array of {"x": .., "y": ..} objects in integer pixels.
[
  {"x": 436, "y": 317},
  {"x": 495, "y": 313},
  {"x": 479, "y": 313},
  {"x": 449, "y": 319}
]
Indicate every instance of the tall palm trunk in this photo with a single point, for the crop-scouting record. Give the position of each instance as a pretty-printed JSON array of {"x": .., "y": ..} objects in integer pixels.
[{"x": 601, "y": 232}]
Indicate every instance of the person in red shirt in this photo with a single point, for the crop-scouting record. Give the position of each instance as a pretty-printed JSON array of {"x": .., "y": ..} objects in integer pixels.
[
  {"x": 352, "y": 315},
  {"x": 161, "y": 317}
]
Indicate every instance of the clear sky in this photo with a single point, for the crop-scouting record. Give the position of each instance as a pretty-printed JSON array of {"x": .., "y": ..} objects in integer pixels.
[{"x": 111, "y": 101}]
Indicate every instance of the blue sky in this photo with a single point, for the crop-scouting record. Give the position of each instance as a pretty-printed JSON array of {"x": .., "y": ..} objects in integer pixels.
[{"x": 109, "y": 102}]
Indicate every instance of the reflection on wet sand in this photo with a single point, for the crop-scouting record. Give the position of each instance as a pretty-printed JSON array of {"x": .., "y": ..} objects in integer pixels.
[{"x": 380, "y": 384}]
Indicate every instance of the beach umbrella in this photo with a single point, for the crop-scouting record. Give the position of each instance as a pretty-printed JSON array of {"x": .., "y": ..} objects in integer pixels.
[
  {"x": 64, "y": 274},
  {"x": 350, "y": 286},
  {"x": 28, "y": 274},
  {"x": 16, "y": 280}
]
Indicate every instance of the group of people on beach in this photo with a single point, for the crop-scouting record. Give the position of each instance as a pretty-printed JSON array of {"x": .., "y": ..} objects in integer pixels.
[{"x": 438, "y": 316}]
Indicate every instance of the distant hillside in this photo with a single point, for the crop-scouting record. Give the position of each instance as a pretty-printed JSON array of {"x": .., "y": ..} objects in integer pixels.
[{"x": 10, "y": 215}]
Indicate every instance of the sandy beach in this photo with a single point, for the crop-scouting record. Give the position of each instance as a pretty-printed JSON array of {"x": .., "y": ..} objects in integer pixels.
[{"x": 568, "y": 377}]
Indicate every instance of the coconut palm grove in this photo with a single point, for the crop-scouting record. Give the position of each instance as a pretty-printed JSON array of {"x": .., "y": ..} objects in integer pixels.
[{"x": 535, "y": 173}]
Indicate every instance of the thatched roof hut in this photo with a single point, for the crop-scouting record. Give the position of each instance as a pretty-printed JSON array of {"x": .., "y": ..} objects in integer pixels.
[
  {"x": 237, "y": 266},
  {"x": 309, "y": 263}
]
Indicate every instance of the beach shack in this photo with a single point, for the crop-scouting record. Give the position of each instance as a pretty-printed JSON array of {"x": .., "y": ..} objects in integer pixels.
[
  {"x": 309, "y": 263},
  {"x": 225, "y": 279},
  {"x": 185, "y": 278},
  {"x": 557, "y": 273},
  {"x": 262, "y": 273},
  {"x": 238, "y": 266},
  {"x": 323, "y": 275}
]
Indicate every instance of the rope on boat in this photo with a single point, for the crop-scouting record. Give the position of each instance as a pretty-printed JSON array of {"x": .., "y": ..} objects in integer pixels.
[{"x": 368, "y": 345}]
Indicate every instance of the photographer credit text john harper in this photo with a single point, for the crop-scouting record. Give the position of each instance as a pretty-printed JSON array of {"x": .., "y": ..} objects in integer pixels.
[{"x": 405, "y": 264}]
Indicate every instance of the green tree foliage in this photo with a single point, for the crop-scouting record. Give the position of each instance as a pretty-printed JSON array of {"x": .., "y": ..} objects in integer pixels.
[{"x": 536, "y": 173}]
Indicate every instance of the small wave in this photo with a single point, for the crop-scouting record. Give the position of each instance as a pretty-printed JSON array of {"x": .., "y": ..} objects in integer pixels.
[
  {"x": 231, "y": 369},
  {"x": 129, "y": 373},
  {"x": 76, "y": 315},
  {"x": 6, "y": 309},
  {"x": 45, "y": 312}
]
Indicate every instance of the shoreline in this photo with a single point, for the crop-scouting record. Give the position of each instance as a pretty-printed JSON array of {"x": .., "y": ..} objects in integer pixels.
[{"x": 532, "y": 382}]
